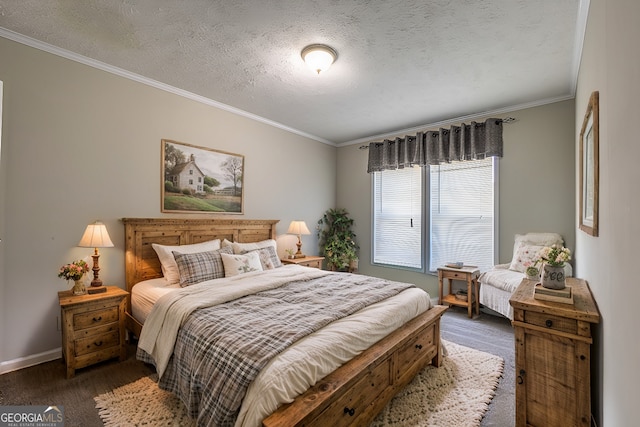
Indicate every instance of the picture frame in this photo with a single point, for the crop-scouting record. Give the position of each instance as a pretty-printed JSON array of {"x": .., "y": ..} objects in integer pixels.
[
  {"x": 589, "y": 167},
  {"x": 200, "y": 180}
]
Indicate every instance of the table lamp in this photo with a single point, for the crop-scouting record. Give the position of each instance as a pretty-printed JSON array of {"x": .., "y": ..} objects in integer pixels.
[
  {"x": 96, "y": 236},
  {"x": 299, "y": 228}
]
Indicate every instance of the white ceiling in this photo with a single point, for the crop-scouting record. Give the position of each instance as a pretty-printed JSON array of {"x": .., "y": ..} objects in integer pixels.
[{"x": 401, "y": 64}]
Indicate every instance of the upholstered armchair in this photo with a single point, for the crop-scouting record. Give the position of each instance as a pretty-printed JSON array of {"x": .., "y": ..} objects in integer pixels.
[{"x": 498, "y": 283}]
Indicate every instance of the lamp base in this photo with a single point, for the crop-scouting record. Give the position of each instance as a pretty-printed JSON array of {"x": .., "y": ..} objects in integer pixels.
[
  {"x": 96, "y": 290},
  {"x": 296, "y": 256}
]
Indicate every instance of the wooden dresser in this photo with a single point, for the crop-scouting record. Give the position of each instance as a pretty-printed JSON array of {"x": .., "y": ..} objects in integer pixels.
[
  {"x": 553, "y": 357},
  {"x": 92, "y": 327}
]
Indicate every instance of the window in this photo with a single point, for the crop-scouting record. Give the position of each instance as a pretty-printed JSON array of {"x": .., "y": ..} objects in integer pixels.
[
  {"x": 453, "y": 203},
  {"x": 461, "y": 213},
  {"x": 190, "y": 171},
  {"x": 397, "y": 217}
]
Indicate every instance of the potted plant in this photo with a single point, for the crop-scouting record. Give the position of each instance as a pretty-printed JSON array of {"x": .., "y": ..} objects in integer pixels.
[{"x": 337, "y": 239}]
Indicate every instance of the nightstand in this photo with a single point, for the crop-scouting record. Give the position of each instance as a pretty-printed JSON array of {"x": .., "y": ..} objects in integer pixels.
[
  {"x": 92, "y": 327},
  {"x": 308, "y": 261},
  {"x": 468, "y": 274}
]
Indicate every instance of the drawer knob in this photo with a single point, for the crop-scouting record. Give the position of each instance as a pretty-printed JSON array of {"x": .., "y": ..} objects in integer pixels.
[
  {"x": 97, "y": 319},
  {"x": 349, "y": 411},
  {"x": 419, "y": 346},
  {"x": 97, "y": 344},
  {"x": 520, "y": 379},
  {"x": 548, "y": 323}
]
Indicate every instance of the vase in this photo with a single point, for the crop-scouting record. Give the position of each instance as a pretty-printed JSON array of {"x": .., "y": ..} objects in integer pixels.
[
  {"x": 78, "y": 287},
  {"x": 553, "y": 277}
]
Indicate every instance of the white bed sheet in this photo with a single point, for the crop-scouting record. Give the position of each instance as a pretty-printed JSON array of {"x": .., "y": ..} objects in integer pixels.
[
  {"x": 292, "y": 372},
  {"x": 145, "y": 294}
]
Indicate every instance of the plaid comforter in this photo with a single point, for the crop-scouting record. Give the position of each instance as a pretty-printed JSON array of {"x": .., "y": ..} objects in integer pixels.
[{"x": 221, "y": 349}]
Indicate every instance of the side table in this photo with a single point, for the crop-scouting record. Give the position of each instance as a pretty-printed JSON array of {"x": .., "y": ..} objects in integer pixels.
[
  {"x": 308, "y": 261},
  {"x": 92, "y": 327},
  {"x": 468, "y": 274}
]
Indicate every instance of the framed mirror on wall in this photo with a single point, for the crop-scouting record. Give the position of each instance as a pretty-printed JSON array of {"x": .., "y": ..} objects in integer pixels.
[{"x": 589, "y": 167}]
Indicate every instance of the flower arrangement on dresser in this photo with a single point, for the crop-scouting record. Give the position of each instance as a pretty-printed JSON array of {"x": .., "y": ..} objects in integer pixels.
[
  {"x": 553, "y": 259},
  {"x": 75, "y": 271}
]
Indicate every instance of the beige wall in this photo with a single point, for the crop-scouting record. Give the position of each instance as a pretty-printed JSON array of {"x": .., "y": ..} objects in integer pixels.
[
  {"x": 80, "y": 144},
  {"x": 611, "y": 65},
  {"x": 536, "y": 185}
]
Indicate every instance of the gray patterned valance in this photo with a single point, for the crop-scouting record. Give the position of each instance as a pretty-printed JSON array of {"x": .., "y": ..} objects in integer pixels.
[{"x": 464, "y": 142}]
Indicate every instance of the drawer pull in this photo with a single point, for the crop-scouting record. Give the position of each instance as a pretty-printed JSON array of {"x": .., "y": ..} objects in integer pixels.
[
  {"x": 520, "y": 378},
  {"x": 419, "y": 346},
  {"x": 97, "y": 319},
  {"x": 548, "y": 323},
  {"x": 97, "y": 344},
  {"x": 349, "y": 411}
]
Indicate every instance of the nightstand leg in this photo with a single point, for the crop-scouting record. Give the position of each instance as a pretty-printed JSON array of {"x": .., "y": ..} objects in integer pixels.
[{"x": 469, "y": 297}]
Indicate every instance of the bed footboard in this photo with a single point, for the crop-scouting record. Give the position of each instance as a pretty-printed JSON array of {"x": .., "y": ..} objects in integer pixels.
[{"x": 357, "y": 391}]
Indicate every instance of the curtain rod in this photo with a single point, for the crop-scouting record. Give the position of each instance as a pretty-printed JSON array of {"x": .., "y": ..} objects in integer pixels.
[{"x": 506, "y": 120}]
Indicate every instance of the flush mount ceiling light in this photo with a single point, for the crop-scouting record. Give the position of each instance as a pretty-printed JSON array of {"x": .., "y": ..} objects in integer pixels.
[{"x": 319, "y": 57}]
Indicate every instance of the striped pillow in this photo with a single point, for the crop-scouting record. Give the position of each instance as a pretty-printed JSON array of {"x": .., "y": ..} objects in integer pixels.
[{"x": 198, "y": 267}]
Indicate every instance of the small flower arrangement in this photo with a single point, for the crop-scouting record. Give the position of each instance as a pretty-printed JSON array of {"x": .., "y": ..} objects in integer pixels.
[
  {"x": 289, "y": 252},
  {"x": 555, "y": 255},
  {"x": 73, "y": 271}
]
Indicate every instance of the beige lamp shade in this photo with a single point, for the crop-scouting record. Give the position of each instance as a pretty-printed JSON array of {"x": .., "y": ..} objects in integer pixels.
[
  {"x": 299, "y": 228},
  {"x": 96, "y": 236}
]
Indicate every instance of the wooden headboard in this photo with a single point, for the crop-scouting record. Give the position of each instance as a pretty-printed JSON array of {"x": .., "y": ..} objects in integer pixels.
[{"x": 141, "y": 261}]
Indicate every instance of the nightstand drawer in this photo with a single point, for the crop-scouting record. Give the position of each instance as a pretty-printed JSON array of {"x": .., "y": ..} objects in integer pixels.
[
  {"x": 556, "y": 323},
  {"x": 95, "y": 318},
  {"x": 96, "y": 343}
]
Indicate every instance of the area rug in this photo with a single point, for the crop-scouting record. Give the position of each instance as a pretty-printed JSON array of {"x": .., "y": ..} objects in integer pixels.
[{"x": 456, "y": 394}]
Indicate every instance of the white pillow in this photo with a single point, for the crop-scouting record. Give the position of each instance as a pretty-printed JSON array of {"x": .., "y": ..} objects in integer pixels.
[
  {"x": 527, "y": 246},
  {"x": 240, "y": 248},
  {"x": 240, "y": 264},
  {"x": 525, "y": 256},
  {"x": 168, "y": 263},
  {"x": 537, "y": 239}
]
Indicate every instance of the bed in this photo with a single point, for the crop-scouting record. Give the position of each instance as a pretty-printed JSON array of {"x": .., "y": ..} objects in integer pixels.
[{"x": 353, "y": 379}]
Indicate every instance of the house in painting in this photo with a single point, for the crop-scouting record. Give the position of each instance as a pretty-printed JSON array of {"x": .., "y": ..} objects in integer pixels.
[{"x": 188, "y": 175}]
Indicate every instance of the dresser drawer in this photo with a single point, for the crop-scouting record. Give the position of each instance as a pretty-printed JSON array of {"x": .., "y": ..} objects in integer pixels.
[
  {"x": 96, "y": 343},
  {"x": 346, "y": 410},
  {"x": 549, "y": 321},
  {"x": 93, "y": 318},
  {"x": 415, "y": 351}
]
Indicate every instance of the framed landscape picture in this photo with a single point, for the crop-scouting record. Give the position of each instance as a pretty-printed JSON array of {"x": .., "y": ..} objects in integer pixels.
[
  {"x": 198, "y": 179},
  {"x": 589, "y": 167}
]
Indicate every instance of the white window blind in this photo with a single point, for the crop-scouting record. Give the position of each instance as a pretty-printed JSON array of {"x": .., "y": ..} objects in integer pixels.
[
  {"x": 397, "y": 217},
  {"x": 462, "y": 213}
]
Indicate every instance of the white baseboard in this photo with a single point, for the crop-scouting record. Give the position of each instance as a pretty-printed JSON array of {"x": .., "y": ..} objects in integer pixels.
[{"x": 34, "y": 359}]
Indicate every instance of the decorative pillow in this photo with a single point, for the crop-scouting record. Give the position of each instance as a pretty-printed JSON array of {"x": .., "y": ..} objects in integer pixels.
[
  {"x": 268, "y": 258},
  {"x": 198, "y": 267},
  {"x": 240, "y": 248},
  {"x": 235, "y": 264},
  {"x": 168, "y": 263},
  {"x": 524, "y": 256},
  {"x": 537, "y": 239}
]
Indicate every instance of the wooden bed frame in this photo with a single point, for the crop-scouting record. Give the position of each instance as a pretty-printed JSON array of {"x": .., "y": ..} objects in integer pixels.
[{"x": 355, "y": 392}]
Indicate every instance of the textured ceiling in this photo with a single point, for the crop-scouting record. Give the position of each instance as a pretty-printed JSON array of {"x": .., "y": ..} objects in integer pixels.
[{"x": 401, "y": 64}]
